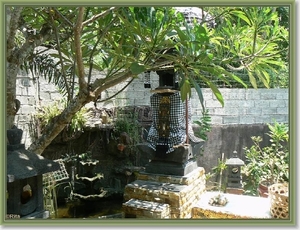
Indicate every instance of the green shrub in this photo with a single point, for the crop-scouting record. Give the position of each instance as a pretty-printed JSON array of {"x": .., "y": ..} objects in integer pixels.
[{"x": 269, "y": 163}]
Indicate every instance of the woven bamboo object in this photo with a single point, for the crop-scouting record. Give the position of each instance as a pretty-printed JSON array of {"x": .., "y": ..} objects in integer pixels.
[{"x": 279, "y": 196}]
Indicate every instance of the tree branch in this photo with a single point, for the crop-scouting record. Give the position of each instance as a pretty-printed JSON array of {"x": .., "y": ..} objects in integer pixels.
[
  {"x": 100, "y": 85},
  {"x": 65, "y": 19},
  {"x": 102, "y": 14},
  {"x": 60, "y": 56},
  {"x": 78, "y": 52},
  {"x": 100, "y": 35},
  {"x": 117, "y": 93}
]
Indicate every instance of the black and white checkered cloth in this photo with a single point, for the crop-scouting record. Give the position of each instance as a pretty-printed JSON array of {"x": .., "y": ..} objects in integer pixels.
[
  {"x": 177, "y": 130},
  {"x": 192, "y": 14}
]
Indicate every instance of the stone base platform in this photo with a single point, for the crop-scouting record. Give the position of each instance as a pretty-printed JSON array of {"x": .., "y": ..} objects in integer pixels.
[
  {"x": 171, "y": 168},
  {"x": 145, "y": 209},
  {"x": 180, "y": 193},
  {"x": 237, "y": 207}
]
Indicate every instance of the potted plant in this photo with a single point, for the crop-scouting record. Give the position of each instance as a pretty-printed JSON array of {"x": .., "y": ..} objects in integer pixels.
[{"x": 267, "y": 165}]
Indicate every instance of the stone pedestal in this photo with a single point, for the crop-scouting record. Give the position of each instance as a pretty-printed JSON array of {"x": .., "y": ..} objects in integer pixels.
[
  {"x": 163, "y": 196},
  {"x": 171, "y": 168},
  {"x": 180, "y": 162}
]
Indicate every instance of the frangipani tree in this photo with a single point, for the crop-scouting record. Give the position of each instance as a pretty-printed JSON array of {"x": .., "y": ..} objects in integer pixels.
[
  {"x": 253, "y": 41},
  {"x": 122, "y": 42}
]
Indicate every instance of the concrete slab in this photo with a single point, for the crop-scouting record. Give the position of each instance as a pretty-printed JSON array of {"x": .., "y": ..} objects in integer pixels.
[{"x": 238, "y": 207}]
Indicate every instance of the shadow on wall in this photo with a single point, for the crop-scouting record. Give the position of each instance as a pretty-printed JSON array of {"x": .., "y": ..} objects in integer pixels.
[{"x": 228, "y": 138}]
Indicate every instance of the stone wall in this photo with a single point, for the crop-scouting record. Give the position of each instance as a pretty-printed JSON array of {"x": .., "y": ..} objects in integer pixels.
[{"x": 242, "y": 106}]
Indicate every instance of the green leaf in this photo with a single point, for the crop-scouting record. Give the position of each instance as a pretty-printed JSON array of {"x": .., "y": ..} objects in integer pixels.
[
  {"x": 216, "y": 92},
  {"x": 199, "y": 92},
  {"x": 264, "y": 77},
  {"x": 136, "y": 68},
  {"x": 233, "y": 76},
  {"x": 205, "y": 58},
  {"x": 242, "y": 16},
  {"x": 181, "y": 35},
  {"x": 252, "y": 80},
  {"x": 218, "y": 95},
  {"x": 185, "y": 90}
]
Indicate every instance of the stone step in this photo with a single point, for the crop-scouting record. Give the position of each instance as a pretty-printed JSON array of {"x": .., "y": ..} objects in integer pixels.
[
  {"x": 188, "y": 179},
  {"x": 180, "y": 193},
  {"x": 146, "y": 209},
  {"x": 153, "y": 191}
]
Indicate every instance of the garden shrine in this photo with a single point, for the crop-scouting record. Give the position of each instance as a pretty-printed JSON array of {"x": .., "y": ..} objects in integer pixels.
[
  {"x": 172, "y": 185},
  {"x": 171, "y": 143}
]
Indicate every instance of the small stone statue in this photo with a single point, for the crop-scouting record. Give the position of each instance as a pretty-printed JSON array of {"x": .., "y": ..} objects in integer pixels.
[{"x": 218, "y": 200}]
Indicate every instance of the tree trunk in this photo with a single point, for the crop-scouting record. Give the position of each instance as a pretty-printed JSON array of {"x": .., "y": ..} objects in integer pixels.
[
  {"x": 15, "y": 56},
  {"x": 12, "y": 68},
  {"x": 11, "y": 108},
  {"x": 59, "y": 123}
]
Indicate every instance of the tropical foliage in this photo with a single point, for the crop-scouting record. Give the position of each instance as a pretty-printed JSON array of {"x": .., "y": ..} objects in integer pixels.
[
  {"x": 252, "y": 42},
  {"x": 67, "y": 45},
  {"x": 203, "y": 125},
  {"x": 48, "y": 113},
  {"x": 269, "y": 163}
]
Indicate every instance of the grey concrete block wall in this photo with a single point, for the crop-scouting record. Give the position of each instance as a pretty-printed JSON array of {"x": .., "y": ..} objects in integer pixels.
[
  {"x": 249, "y": 106},
  {"x": 241, "y": 106}
]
